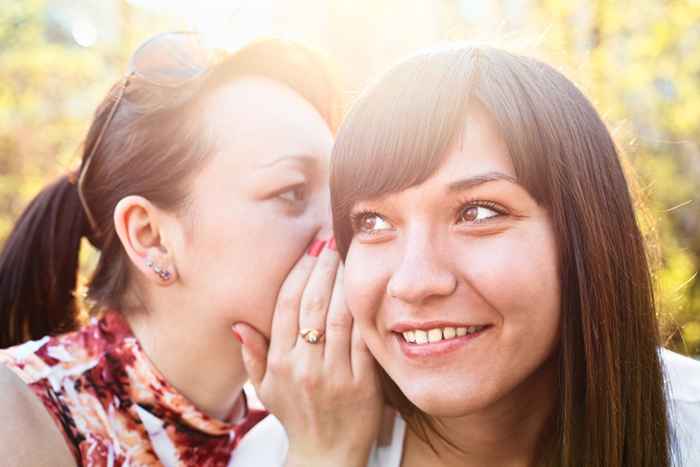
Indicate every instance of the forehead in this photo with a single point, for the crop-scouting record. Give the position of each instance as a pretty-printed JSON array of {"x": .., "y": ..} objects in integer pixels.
[
  {"x": 258, "y": 118},
  {"x": 478, "y": 149}
]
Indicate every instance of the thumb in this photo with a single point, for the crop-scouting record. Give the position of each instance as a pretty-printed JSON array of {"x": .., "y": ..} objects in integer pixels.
[{"x": 253, "y": 350}]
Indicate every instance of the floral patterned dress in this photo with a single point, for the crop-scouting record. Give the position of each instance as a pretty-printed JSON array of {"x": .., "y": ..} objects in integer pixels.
[{"x": 114, "y": 407}]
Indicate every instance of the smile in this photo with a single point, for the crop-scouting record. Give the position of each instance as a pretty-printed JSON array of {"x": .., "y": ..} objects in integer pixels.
[
  {"x": 435, "y": 339},
  {"x": 422, "y": 337}
]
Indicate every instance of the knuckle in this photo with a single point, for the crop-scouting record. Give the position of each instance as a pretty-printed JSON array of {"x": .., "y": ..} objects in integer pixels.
[
  {"x": 339, "y": 389},
  {"x": 339, "y": 323},
  {"x": 311, "y": 382},
  {"x": 327, "y": 266},
  {"x": 313, "y": 304},
  {"x": 277, "y": 368}
]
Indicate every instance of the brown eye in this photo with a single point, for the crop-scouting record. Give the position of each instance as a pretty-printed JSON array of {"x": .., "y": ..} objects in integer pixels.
[
  {"x": 470, "y": 214},
  {"x": 370, "y": 223},
  {"x": 475, "y": 214}
]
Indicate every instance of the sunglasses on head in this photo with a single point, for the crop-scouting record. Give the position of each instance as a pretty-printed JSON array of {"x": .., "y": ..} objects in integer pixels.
[{"x": 170, "y": 60}]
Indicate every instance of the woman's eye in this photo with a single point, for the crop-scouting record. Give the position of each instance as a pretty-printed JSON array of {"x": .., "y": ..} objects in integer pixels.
[
  {"x": 371, "y": 223},
  {"x": 293, "y": 195},
  {"x": 475, "y": 214}
]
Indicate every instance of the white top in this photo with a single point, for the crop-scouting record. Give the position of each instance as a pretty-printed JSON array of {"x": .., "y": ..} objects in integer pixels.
[
  {"x": 683, "y": 380},
  {"x": 266, "y": 444}
]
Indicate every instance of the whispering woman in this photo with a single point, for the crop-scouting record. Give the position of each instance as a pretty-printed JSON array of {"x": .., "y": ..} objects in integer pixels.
[{"x": 204, "y": 187}]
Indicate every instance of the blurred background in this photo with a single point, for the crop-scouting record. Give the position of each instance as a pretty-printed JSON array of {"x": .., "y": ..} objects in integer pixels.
[{"x": 638, "y": 61}]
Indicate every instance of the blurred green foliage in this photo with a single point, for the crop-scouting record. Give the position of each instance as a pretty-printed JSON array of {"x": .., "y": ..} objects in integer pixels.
[
  {"x": 638, "y": 61},
  {"x": 640, "y": 64}
]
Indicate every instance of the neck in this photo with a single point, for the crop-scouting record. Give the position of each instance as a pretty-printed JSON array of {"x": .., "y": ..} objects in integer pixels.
[
  {"x": 198, "y": 357},
  {"x": 507, "y": 433}
]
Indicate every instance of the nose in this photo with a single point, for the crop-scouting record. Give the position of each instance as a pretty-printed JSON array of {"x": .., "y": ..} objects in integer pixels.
[{"x": 423, "y": 272}]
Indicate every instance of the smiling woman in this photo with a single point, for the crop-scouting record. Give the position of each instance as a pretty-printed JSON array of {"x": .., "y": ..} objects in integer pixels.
[
  {"x": 481, "y": 208},
  {"x": 468, "y": 251}
]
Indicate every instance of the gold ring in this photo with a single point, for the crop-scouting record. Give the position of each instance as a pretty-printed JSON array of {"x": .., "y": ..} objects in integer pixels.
[{"x": 312, "y": 336}]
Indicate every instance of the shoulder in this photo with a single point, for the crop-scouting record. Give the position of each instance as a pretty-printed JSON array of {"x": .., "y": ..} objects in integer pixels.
[
  {"x": 682, "y": 376},
  {"x": 683, "y": 386},
  {"x": 24, "y": 360},
  {"x": 29, "y": 434}
]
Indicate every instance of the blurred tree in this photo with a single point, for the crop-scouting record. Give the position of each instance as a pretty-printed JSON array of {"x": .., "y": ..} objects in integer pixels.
[
  {"x": 48, "y": 93},
  {"x": 49, "y": 88},
  {"x": 640, "y": 63}
]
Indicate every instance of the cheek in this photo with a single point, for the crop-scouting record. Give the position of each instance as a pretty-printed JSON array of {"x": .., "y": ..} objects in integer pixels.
[
  {"x": 240, "y": 259},
  {"x": 365, "y": 283},
  {"x": 517, "y": 276}
]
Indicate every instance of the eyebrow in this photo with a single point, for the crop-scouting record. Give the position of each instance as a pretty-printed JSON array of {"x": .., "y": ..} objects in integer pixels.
[
  {"x": 305, "y": 159},
  {"x": 476, "y": 180}
]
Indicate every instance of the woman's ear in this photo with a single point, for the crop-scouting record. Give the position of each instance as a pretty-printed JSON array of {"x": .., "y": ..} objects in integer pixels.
[{"x": 136, "y": 223}]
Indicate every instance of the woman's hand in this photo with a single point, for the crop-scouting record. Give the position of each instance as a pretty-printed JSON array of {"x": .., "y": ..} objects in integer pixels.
[{"x": 326, "y": 394}]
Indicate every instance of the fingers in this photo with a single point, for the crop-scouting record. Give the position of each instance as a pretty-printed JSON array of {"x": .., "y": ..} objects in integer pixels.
[
  {"x": 253, "y": 351},
  {"x": 285, "y": 320},
  {"x": 338, "y": 328},
  {"x": 317, "y": 294},
  {"x": 363, "y": 364}
]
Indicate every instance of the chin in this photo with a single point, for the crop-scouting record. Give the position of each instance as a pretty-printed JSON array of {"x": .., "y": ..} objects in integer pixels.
[{"x": 448, "y": 402}]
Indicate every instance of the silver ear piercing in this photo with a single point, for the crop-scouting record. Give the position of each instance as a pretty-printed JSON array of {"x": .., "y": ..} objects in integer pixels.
[{"x": 161, "y": 272}]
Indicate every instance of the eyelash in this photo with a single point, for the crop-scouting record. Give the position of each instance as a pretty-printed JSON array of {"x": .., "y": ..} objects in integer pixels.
[
  {"x": 356, "y": 218},
  {"x": 471, "y": 203}
]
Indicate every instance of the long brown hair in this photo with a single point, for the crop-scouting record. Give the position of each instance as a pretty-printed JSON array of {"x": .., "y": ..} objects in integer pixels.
[
  {"x": 153, "y": 146},
  {"x": 612, "y": 405}
]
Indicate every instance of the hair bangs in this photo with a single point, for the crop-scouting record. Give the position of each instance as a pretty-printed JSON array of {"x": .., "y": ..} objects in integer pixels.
[{"x": 397, "y": 135}]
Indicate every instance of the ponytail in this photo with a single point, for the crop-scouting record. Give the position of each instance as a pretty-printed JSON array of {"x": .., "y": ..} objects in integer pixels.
[{"x": 39, "y": 266}]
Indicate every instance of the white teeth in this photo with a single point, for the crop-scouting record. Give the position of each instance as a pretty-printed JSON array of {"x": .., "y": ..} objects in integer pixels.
[
  {"x": 420, "y": 336},
  {"x": 435, "y": 335}
]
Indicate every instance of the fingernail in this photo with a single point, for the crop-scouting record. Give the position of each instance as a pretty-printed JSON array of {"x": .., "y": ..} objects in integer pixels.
[
  {"x": 331, "y": 244},
  {"x": 316, "y": 247},
  {"x": 236, "y": 334}
]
